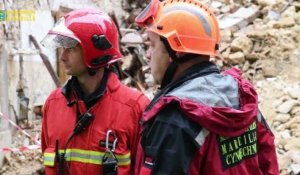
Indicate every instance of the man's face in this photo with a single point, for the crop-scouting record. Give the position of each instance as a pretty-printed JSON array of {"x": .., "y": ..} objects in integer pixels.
[
  {"x": 159, "y": 57},
  {"x": 72, "y": 59}
]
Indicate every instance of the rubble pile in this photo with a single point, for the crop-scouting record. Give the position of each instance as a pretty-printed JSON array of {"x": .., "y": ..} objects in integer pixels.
[
  {"x": 28, "y": 161},
  {"x": 280, "y": 103},
  {"x": 261, "y": 37}
]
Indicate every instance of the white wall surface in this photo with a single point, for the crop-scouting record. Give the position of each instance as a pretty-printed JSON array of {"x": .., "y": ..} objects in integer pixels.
[{"x": 37, "y": 81}]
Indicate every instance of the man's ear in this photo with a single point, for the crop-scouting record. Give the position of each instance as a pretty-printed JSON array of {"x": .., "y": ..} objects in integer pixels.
[{"x": 170, "y": 60}]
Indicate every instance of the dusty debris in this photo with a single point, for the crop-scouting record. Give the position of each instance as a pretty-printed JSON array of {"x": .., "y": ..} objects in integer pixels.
[{"x": 24, "y": 162}]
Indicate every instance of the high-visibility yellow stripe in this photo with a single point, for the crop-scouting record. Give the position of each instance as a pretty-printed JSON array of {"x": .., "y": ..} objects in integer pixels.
[
  {"x": 85, "y": 156},
  {"x": 49, "y": 159}
]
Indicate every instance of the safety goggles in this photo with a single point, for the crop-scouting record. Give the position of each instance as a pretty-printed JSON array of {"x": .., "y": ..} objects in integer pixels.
[
  {"x": 146, "y": 17},
  {"x": 60, "y": 36}
]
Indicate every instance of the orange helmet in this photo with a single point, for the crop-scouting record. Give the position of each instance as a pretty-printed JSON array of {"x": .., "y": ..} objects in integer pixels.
[{"x": 188, "y": 25}]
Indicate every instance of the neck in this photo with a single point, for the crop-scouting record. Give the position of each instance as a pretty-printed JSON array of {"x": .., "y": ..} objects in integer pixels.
[
  {"x": 186, "y": 65},
  {"x": 88, "y": 83}
]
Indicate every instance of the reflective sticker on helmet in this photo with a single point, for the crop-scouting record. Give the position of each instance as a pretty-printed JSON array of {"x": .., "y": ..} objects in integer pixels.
[{"x": 194, "y": 11}]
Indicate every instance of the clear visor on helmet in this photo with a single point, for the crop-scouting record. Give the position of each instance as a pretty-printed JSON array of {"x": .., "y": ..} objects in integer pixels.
[{"x": 60, "y": 36}]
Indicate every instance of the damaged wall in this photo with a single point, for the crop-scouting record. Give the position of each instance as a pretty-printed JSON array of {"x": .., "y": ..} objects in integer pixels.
[
  {"x": 21, "y": 66},
  {"x": 5, "y": 134}
]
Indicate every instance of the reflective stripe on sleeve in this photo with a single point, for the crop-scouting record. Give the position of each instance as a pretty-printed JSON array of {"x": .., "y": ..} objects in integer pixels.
[{"x": 49, "y": 159}]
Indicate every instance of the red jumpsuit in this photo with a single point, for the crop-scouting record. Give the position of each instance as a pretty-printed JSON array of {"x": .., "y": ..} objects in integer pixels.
[{"x": 119, "y": 110}]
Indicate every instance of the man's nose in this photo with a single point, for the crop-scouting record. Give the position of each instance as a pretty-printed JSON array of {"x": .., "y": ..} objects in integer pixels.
[{"x": 63, "y": 55}]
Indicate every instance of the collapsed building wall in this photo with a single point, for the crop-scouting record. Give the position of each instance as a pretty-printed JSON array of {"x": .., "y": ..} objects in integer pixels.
[{"x": 5, "y": 134}]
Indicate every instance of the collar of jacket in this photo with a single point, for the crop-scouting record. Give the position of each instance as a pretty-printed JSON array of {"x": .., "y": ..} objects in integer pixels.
[
  {"x": 72, "y": 91},
  {"x": 197, "y": 70},
  {"x": 225, "y": 121}
]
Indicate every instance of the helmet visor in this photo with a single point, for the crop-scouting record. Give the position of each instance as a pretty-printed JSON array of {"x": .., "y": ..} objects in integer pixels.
[
  {"x": 145, "y": 18},
  {"x": 60, "y": 36}
]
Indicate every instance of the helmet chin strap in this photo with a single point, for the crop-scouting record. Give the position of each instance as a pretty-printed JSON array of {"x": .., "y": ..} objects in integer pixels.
[
  {"x": 170, "y": 72},
  {"x": 92, "y": 72}
]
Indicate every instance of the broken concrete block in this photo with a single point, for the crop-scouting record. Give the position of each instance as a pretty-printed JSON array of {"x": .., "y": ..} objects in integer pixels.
[
  {"x": 236, "y": 58},
  {"x": 252, "y": 57},
  {"x": 269, "y": 69},
  {"x": 226, "y": 35},
  {"x": 257, "y": 34},
  {"x": 239, "y": 19},
  {"x": 264, "y": 3},
  {"x": 290, "y": 12},
  {"x": 297, "y": 18},
  {"x": 243, "y": 44},
  {"x": 285, "y": 22},
  {"x": 227, "y": 22},
  {"x": 132, "y": 38}
]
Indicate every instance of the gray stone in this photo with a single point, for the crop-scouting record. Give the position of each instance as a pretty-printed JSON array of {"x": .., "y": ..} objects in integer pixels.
[
  {"x": 252, "y": 57},
  {"x": 296, "y": 110},
  {"x": 269, "y": 69},
  {"x": 257, "y": 34},
  {"x": 294, "y": 92},
  {"x": 132, "y": 38},
  {"x": 295, "y": 168},
  {"x": 293, "y": 144},
  {"x": 285, "y": 134},
  {"x": 243, "y": 44},
  {"x": 266, "y": 2},
  {"x": 226, "y": 35},
  {"x": 284, "y": 161},
  {"x": 289, "y": 12},
  {"x": 285, "y": 22},
  {"x": 286, "y": 106},
  {"x": 237, "y": 58}
]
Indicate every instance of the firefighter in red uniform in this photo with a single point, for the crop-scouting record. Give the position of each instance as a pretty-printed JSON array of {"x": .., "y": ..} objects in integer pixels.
[
  {"x": 90, "y": 125},
  {"x": 203, "y": 121}
]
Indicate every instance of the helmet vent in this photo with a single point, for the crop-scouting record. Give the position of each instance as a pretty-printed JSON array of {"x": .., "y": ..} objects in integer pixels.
[
  {"x": 100, "y": 60},
  {"x": 217, "y": 47},
  {"x": 159, "y": 27},
  {"x": 100, "y": 42},
  {"x": 178, "y": 43}
]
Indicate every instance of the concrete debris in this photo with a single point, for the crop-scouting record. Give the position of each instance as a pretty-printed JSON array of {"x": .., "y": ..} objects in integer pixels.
[
  {"x": 239, "y": 19},
  {"x": 285, "y": 121},
  {"x": 243, "y": 44},
  {"x": 132, "y": 38},
  {"x": 24, "y": 162},
  {"x": 236, "y": 58}
]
